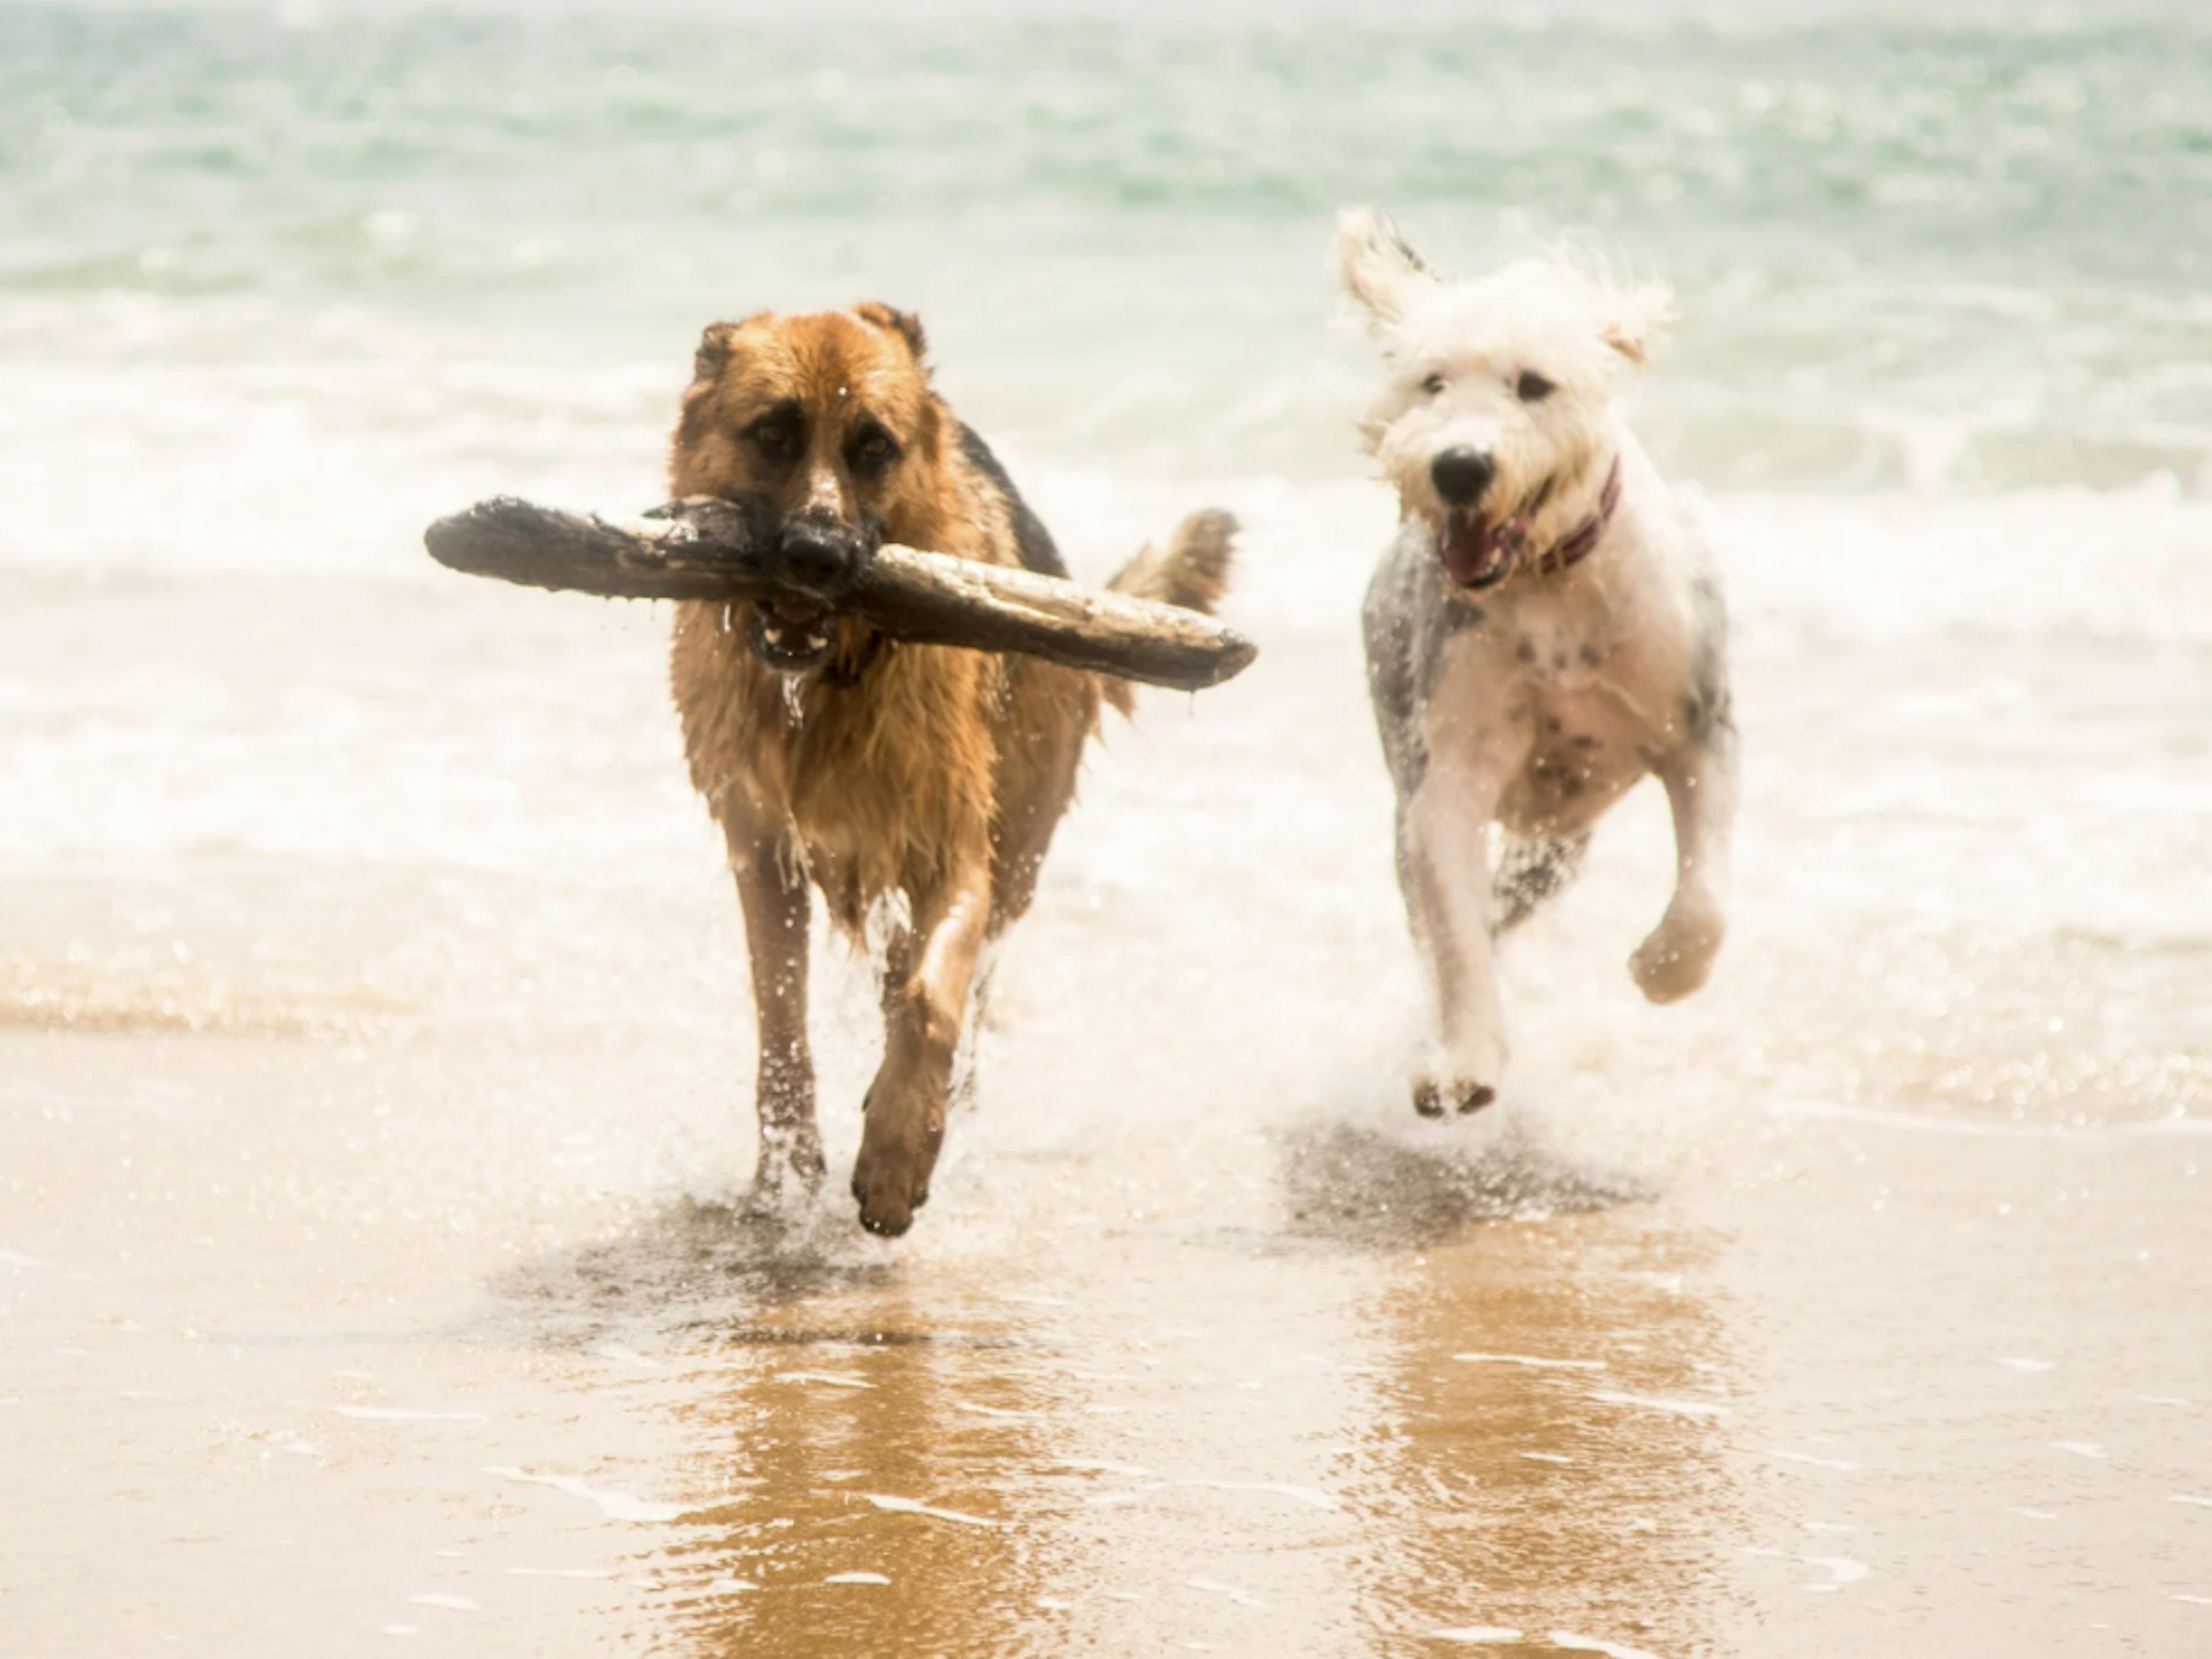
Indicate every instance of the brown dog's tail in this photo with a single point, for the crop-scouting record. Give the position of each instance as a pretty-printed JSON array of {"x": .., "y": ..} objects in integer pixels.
[{"x": 1189, "y": 569}]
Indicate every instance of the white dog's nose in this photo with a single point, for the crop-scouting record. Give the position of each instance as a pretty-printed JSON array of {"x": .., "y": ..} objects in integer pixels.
[{"x": 1461, "y": 475}]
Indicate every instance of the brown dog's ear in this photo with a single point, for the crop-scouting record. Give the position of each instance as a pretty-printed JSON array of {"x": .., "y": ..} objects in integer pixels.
[
  {"x": 904, "y": 323},
  {"x": 716, "y": 346}
]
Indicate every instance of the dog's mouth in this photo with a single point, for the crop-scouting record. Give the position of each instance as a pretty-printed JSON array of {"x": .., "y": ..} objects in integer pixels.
[
  {"x": 792, "y": 636},
  {"x": 1479, "y": 552}
]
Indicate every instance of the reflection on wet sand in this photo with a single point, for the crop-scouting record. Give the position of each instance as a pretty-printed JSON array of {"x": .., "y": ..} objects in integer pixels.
[
  {"x": 1352, "y": 1186},
  {"x": 877, "y": 1504},
  {"x": 859, "y": 1503},
  {"x": 1544, "y": 1457},
  {"x": 1426, "y": 1393},
  {"x": 1037, "y": 1450},
  {"x": 694, "y": 1270}
]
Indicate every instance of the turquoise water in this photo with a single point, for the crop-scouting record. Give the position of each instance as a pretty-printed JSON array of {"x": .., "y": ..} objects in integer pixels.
[
  {"x": 401, "y": 251},
  {"x": 1950, "y": 254}
]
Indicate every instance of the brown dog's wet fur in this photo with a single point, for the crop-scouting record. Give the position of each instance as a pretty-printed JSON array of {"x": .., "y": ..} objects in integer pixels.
[{"x": 891, "y": 771}]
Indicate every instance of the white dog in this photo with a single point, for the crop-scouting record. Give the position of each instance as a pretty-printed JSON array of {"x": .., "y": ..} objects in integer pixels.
[{"x": 1545, "y": 627}]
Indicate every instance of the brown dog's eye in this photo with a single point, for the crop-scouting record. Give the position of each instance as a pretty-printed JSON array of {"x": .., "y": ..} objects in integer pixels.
[
  {"x": 780, "y": 435},
  {"x": 1532, "y": 387},
  {"x": 1433, "y": 385},
  {"x": 872, "y": 450}
]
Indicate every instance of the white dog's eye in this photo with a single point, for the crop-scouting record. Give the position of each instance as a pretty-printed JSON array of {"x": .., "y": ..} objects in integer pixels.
[
  {"x": 1532, "y": 387},
  {"x": 1433, "y": 385}
]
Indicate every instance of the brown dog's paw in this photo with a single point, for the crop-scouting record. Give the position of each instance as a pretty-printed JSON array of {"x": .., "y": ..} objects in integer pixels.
[
  {"x": 887, "y": 1199},
  {"x": 791, "y": 1165},
  {"x": 898, "y": 1149},
  {"x": 1434, "y": 1099},
  {"x": 884, "y": 1210}
]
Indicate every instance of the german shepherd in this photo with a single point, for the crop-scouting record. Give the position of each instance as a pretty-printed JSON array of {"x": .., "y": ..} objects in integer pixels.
[{"x": 915, "y": 786}]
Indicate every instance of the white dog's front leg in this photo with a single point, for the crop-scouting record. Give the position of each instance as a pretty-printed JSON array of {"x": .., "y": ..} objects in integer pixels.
[
  {"x": 1700, "y": 780},
  {"x": 1443, "y": 864}
]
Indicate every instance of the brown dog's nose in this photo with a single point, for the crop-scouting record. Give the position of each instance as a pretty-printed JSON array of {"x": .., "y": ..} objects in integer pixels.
[
  {"x": 819, "y": 559},
  {"x": 1461, "y": 475}
]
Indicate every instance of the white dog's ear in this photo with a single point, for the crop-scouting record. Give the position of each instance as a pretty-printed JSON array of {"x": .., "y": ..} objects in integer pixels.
[
  {"x": 1376, "y": 266},
  {"x": 1634, "y": 318}
]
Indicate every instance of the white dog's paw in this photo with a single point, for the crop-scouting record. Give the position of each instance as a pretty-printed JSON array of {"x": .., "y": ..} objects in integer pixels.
[
  {"x": 1462, "y": 1078},
  {"x": 1678, "y": 957},
  {"x": 1441, "y": 1097}
]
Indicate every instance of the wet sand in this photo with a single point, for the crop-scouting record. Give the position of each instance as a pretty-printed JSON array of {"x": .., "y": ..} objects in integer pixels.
[{"x": 375, "y": 1066}]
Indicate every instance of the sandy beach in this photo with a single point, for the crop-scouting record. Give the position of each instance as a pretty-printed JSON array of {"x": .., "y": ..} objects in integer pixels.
[
  {"x": 370, "y": 1273},
  {"x": 376, "y": 1051}
]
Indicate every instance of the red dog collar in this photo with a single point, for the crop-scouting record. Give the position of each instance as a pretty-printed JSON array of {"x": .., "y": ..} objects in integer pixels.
[{"x": 1583, "y": 540}]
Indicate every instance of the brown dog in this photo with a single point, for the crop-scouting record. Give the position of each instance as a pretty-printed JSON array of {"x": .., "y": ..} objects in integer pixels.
[{"x": 919, "y": 784}]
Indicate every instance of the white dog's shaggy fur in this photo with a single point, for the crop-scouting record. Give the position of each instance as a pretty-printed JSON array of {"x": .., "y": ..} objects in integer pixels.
[{"x": 1545, "y": 629}]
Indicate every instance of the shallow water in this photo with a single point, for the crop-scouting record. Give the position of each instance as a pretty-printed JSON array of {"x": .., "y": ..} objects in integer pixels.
[
  {"x": 373, "y": 1077},
  {"x": 374, "y": 1056}
]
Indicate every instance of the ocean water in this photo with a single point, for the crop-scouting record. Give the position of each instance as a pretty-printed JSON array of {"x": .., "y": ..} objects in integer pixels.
[
  {"x": 375, "y": 1062},
  {"x": 1918, "y": 250}
]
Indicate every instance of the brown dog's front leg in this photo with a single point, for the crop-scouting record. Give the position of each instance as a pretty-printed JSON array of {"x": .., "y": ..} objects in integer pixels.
[
  {"x": 776, "y": 917},
  {"x": 924, "y": 1015}
]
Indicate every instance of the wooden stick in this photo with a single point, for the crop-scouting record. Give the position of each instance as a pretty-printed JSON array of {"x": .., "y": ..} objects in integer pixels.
[{"x": 705, "y": 549}]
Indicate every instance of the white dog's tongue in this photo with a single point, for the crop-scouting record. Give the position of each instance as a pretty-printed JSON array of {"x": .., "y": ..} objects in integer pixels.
[{"x": 1473, "y": 549}]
